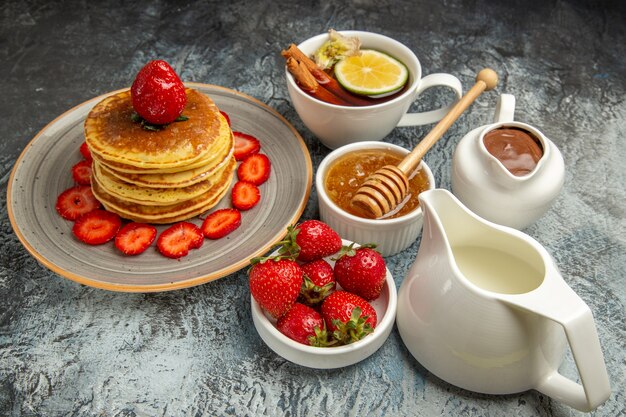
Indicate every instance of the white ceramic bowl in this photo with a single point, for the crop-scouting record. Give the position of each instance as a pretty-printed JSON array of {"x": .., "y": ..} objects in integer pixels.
[
  {"x": 330, "y": 357},
  {"x": 390, "y": 235}
]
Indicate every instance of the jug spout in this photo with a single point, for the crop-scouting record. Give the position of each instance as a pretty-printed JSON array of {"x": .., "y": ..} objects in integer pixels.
[
  {"x": 441, "y": 212},
  {"x": 438, "y": 206},
  {"x": 448, "y": 220}
]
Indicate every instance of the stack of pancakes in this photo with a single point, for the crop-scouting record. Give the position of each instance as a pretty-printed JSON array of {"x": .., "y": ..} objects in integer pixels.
[{"x": 162, "y": 176}]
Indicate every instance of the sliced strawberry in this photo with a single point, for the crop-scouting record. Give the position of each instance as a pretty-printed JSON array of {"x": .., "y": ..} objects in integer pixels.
[
  {"x": 177, "y": 240},
  {"x": 226, "y": 117},
  {"x": 221, "y": 222},
  {"x": 245, "y": 145},
  {"x": 81, "y": 172},
  {"x": 255, "y": 169},
  {"x": 85, "y": 152},
  {"x": 245, "y": 195},
  {"x": 97, "y": 227},
  {"x": 76, "y": 201},
  {"x": 135, "y": 238}
]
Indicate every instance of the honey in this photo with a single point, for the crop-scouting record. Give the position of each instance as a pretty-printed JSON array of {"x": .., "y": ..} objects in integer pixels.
[{"x": 348, "y": 173}]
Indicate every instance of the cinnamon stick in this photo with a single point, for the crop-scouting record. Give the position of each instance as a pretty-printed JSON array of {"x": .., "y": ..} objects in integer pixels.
[
  {"x": 295, "y": 52},
  {"x": 309, "y": 84},
  {"x": 323, "y": 78}
]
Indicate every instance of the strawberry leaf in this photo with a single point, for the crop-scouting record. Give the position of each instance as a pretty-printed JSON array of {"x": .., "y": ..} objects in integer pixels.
[
  {"x": 145, "y": 125},
  {"x": 311, "y": 294},
  {"x": 288, "y": 245},
  {"x": 351, "y": 250},
  {"x": 353, "y": 330},
  {"x": 321, "y": 338}
]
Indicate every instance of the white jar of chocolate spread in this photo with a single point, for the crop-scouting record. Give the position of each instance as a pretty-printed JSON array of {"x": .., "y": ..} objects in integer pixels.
[{"x": 507, "y": 172}]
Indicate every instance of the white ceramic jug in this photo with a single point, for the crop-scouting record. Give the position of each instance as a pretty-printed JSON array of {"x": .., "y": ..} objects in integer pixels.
[
  {"x": 484, "y": 185},
  {"x": 484, "y": 308}
]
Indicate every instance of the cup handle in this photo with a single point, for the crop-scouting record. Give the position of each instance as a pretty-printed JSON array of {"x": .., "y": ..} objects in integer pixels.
[
  {"x": 433, "y": 80},
  {"x": 505, "y": 108},
  {"x": 576, "y": 318}
]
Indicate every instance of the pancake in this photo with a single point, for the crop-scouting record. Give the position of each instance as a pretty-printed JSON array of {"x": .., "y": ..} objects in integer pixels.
[
  {"x": 224, "y": 135},
  {"x": 113, "y": 138},
  {"x": 155, "y": 196},
  {"x": 219, "y": 159},
  {"x": 149, "y": 213}
]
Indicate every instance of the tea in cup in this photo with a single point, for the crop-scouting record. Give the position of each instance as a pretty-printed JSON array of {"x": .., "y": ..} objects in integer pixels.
[{"x": 337, "y": 125}]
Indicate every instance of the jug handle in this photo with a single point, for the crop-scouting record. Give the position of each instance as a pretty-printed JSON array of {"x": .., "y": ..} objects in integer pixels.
[
  {"x": 505, "y": 108},
  {"x": 577, "y": 320}
]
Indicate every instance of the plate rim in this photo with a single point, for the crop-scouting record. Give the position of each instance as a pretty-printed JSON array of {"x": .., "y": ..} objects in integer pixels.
[{"x": 191, "y": 282}]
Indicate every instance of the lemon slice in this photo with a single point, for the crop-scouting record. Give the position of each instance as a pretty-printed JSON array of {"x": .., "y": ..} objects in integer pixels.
[{"x": 372, "y": 73}]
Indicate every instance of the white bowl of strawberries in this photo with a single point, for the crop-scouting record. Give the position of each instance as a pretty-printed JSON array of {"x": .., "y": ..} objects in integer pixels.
[{"x": 320, "y": 301}]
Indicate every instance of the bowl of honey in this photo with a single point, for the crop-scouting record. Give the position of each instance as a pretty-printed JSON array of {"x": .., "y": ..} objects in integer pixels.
[{"x": 341, "y": 174}]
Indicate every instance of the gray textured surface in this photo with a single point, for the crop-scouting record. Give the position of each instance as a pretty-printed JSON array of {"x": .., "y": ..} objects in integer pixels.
[{"x": 66, "y": 349}]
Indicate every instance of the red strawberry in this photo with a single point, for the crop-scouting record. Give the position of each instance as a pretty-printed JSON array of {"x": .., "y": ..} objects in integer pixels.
[
  {"x": 177, "y": 240},
  {"x": 85, "y": 152},
  {"x": 245, "y": 195},
  {"x": 75, "y": 201},
  {"x": 245, "y": 145},
  {"x": 319, "y": 281},
  {"x": 135, "y": 238},
  {"x": 158, "y": 94},
  {"x": 255, "y": 169},
  {"x": 304, "y": 325},
  {"x": 226, "y": 117},
  {"x": 310, "y": 240},
  {"x": 348, "y": 316},
  {"x": 361, "y": 271},
  {"x": 221, "y": 222},
  {"x": 275, "y": 284},
  {"x": 81, "y": 172},
  {"x": 97, "y": 227}
]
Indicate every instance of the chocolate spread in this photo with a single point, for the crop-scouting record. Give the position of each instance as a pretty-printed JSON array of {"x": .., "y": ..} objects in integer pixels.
[{"x": 517, "y": 149}]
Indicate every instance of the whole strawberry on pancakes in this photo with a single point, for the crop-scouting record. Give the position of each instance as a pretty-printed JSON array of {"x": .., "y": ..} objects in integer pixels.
[
  {"x": 158, "y": 94},
  {"x": 161, "y": 152}
]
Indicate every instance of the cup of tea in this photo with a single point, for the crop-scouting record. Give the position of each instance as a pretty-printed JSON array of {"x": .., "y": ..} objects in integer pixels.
[{"x": 338, "y": 125}]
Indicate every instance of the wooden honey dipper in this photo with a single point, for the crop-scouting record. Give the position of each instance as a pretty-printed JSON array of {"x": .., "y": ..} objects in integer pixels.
[{"x": 386, "y": 188}]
